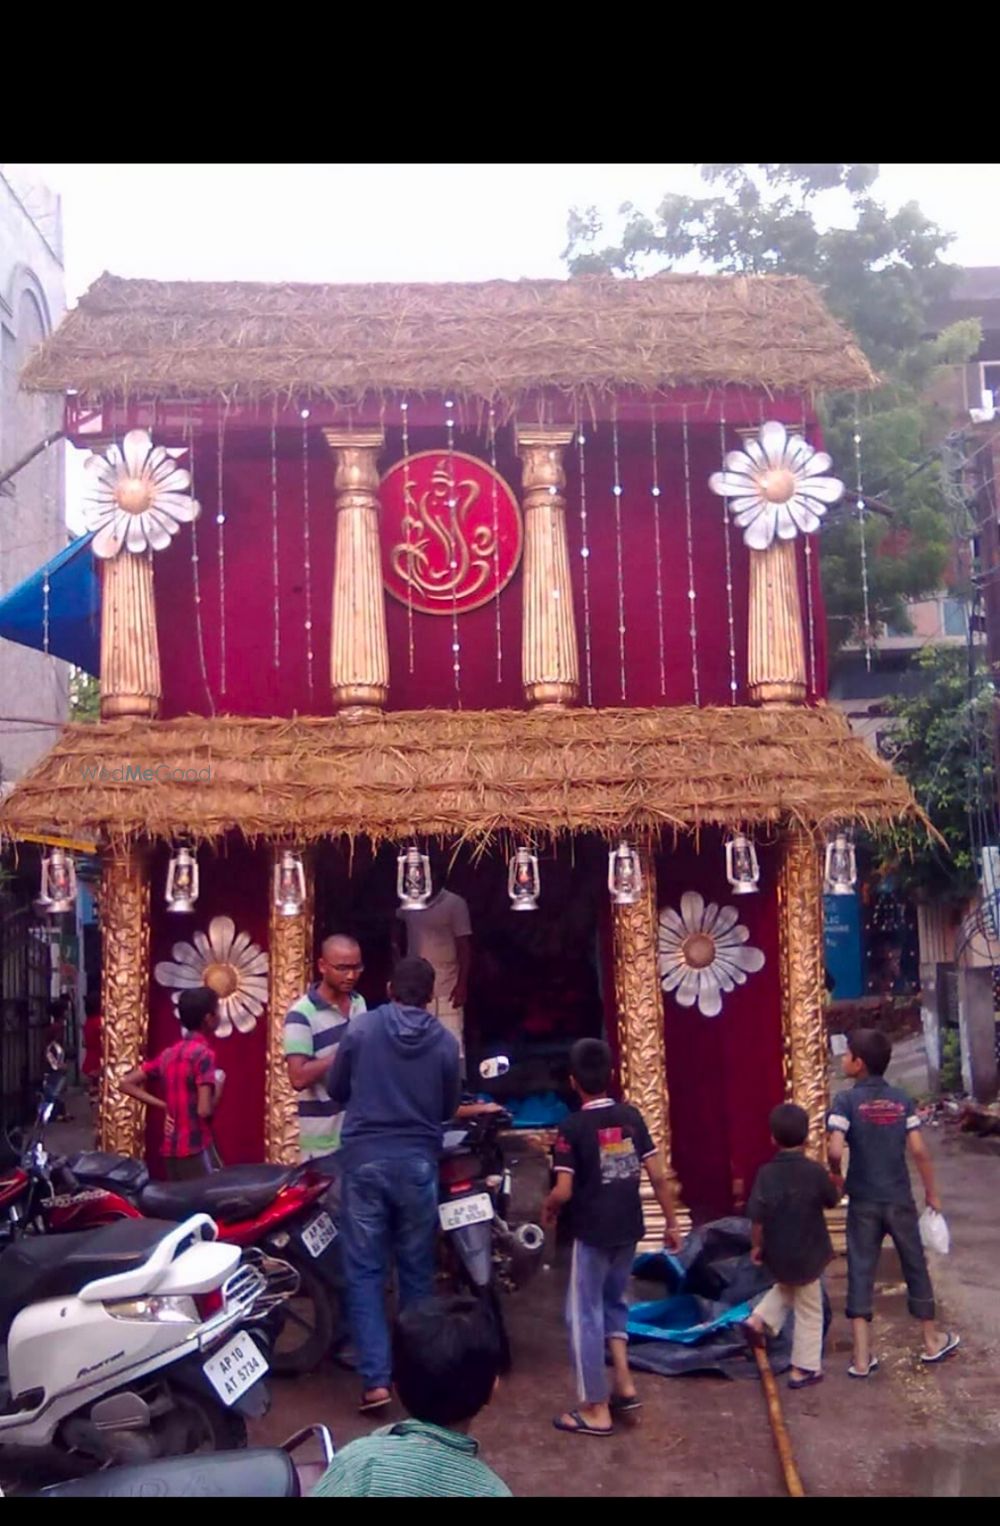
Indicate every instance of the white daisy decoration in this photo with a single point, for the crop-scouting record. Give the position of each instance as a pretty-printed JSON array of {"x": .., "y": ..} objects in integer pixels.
[
  {"x": 230, "y": 964},
  {"x": 137, "y": 498},
  {"x": 777, "y": 486},
  {"x": 704, "y": 952}
]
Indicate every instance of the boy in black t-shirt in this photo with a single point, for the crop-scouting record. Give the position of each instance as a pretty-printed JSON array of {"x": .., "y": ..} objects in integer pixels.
[{"x": 599, "y": 1155}]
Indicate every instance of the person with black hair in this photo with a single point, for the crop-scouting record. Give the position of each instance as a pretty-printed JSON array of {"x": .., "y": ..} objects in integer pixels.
[
  {"x": 598, "y": 1159},
  {"x": 791, "y": 1240},
  {"x": 446, "y": 1365},
  {"x": 881, "y": 1128},
  {"x": 191, "y": 1085},
  {"x": 396, "y": 1073}
]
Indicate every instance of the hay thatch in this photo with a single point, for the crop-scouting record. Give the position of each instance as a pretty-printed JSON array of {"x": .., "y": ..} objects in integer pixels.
[
  {"x": 471, "y": 774},
  {"x": 494, "y": 341}
]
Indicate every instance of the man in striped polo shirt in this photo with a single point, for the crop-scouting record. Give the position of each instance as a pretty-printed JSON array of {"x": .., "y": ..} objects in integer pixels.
[{"x": 314, "y": 1027}]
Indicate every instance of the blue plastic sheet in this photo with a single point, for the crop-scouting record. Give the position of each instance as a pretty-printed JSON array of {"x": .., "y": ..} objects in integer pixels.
[{"x": 67, "y": 620}]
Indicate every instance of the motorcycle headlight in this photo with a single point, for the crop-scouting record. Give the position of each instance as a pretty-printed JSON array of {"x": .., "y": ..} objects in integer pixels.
[{"x": 161, "y": 1311}]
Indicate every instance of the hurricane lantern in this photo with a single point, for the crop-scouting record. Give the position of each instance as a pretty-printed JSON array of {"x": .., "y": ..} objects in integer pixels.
[
  {"x": 413, "y": 879},
  {"x": 182, "y": 880},
  {"x": 624, "y": 875},
  {"x": 58, "y": 882},
  {"x": 289, "y": 885},
  {"x": 841, "y": 870},
  {"x": 523, "y": 881},
  {"x": 742, "y": 868}
]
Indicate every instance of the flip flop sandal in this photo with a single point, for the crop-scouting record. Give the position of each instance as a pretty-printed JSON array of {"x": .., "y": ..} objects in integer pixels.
[
  {"x": 372, "y": 1406},
  {"x": 854, "y": 1372},
  {"x": 619, "y": 1405},
  {"x": 580, "y": 1426},
  {"x": 807, "y": 1381},
  {"x": 950, "y": 1346}
]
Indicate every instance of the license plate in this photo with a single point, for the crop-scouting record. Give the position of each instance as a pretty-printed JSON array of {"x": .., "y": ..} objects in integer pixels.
[
  {"x": 466, "y": 1210},
  {"x": 235, "y": 1368},
  {"x": 318, "y": 1234}
]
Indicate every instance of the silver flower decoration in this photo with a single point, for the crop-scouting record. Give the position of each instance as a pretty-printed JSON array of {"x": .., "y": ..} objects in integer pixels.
[
  {"x": 777, "y": 486},
  {"x": 228, "y": 962},
  {"x": 137, "y": 497},
  {"x": 704, "y": 952}
]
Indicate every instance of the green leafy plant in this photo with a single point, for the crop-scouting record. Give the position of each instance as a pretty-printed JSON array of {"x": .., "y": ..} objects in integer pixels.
[{"x": 951, "y": 1061}]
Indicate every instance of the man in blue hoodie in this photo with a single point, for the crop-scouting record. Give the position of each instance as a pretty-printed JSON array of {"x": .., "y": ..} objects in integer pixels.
[{"x": 397, "y": 1072}]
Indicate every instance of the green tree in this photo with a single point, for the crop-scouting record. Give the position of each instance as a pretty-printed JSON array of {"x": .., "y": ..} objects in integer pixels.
[
  {"x": 880, "y": 275},
  {"x": 943, "y": 744},
  {"x": 84, "y": 696}
]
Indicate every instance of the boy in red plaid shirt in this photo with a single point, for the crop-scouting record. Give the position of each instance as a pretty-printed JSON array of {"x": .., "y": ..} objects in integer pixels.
[{"x": 191, "y": 1085}]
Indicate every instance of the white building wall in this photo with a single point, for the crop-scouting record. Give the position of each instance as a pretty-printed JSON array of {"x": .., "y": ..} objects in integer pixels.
[{"x": 33, "y": 686}]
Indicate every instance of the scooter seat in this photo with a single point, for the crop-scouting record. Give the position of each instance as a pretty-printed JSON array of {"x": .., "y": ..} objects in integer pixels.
[
  {"x": 232, "y": 1194},
  {"x": 119, "y": 1173},
  {"x": 259, "y": 1473},
  {"x": 52, "y": 1266}
]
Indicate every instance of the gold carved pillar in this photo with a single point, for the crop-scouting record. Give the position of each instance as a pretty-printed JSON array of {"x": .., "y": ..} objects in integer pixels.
[
  {"x": 130, "y": 653},
  {"x": 640, "y": 1012},
  {"x": 359, "y": 658},
  {"x": 776, "y": 659},
  {"x": 290, "y": 950},
  {"x": 124, "y": 995},
  {"x": 550, "y": 663},
  {"x": 800, "y": 913}
]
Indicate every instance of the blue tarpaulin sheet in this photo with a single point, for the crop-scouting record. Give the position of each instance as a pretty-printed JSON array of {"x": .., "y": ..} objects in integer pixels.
[{"x": 67, "y": 620}]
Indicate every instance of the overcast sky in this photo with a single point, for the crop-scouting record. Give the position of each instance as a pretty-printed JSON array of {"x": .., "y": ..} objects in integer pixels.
[{"x": 393, "y": 222}]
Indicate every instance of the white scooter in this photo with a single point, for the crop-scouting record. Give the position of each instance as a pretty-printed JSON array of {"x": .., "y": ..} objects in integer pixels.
[{"x": 122, "y": 1344}]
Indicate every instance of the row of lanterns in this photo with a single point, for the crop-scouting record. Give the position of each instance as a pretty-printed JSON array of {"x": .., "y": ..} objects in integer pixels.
[{"x": 415, "y": 888}]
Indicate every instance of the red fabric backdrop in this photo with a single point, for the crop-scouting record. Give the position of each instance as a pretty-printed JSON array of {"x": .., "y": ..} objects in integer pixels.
[
  {"x": 264, "y": 593},
  {"x": 234, "y": 883},
  {"x": 724, "y": 1073}
]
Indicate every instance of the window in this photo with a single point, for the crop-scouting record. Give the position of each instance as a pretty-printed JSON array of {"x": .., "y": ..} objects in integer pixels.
[{"x": 955, "y": 617}]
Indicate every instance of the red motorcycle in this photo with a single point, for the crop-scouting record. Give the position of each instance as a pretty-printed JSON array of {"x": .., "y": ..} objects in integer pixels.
[{"x": 283, "y": 1210}]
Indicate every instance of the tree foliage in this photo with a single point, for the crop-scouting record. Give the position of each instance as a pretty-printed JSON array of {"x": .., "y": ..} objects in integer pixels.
[
  {"x": 880, "y": 272},
  {"x": 84, "y": 696}
]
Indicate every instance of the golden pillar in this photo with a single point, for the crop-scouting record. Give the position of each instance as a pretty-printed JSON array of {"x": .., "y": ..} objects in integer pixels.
[
  {"x": 124, "y": 995},
  {"x": 800, "y": 914},
  {"x": 640, "y": 1012},
  {"x": 776, "y": 659},
  {"x": 550, "y": 663},
  {"x": 130, "y": 653},
  {"x": 359, "y": 658},
  {"x": 290, "y": 950}
]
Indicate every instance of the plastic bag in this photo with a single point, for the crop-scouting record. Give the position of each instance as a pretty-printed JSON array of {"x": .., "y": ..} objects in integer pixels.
[{"x": 934, "y": 1231}]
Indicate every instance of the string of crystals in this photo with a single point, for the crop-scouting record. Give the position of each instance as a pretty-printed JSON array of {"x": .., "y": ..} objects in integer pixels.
[
  {"x": 456, "y": 645},
  {"x": 866, "y": 610},
  {"x": 274, "y": 534},
  {"x": 581, "y": 441},
  {"x": 220, "y": 520},
  {"x": 726, "y": 532},
  {"x": 495, "y": 502},
  {"x": 655, "y": 494},
  {"x": 45, "y": 614},
  {"x": 407, "y": 520},
  {"x": 810, "y": 613},
  {"x": 199, "y": 629},
  {"x": 617, "y": 492},
  {"x": 692, "y": 594},
  {"x": 307, "y": 553}
]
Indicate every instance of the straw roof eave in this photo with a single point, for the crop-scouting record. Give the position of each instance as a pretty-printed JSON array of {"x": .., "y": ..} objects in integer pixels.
[{"x": 473, "y": 775}]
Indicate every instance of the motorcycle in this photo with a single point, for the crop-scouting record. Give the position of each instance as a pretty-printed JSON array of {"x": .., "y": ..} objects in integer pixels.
[
  {"x": 129, "y": 1343},
  {"x": 261, "y": 1473},
  {"x": 282, "y": 1210}
]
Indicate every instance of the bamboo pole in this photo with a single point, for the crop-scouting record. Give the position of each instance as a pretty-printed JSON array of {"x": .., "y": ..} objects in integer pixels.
[{"x": 782, "y": 1440}]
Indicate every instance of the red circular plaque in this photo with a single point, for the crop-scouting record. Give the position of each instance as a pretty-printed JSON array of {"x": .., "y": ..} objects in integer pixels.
[{"x": 451, "y": 532}]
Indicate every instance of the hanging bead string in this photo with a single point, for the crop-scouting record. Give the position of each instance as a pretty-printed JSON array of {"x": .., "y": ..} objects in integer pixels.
[
  {"x": 495, "y": 502},
  {"x": 220, "y": 520},
  {"x": 307, "y": 554},
  {"x": 655, "y": 494},
  {"x": 405, "y": 410},
  {"x": 726, "y": 533},
  {"x": 456, "y": 644},
  {"x": 864, "y": 545},
  {"x": 617, "y": 491},
  {"x": 199, "y": 629},
  {"x": 274, "y": 534},
  {"x": 45, "y": 614},
  {"x": 581, "y": 441},
  {"x": 692, "y": 595},
  {"x": 810, "y": 612}
]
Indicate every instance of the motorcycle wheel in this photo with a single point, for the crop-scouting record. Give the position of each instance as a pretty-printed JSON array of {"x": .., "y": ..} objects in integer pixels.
[
  {"x": 306, "y": 1328},
  {"x": 199, "y": 1424}
]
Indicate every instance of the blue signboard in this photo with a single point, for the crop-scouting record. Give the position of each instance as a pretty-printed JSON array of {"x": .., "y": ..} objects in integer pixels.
[{"x": 842, "y": 945}]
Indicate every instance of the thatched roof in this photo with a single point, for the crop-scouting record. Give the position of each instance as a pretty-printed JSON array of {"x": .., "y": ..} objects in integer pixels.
[
  {"x": 470, "y": 774},
  {"x": 492, "y": 341}
]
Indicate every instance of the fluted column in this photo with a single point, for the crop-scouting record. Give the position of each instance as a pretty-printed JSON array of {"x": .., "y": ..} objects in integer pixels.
[
  {"x": 359, "y": 658},
  {"x": 130, "y": 653},
  {"x": 290, "y": 951},
  {"x": 800, "y": 913},
  {"x": 776, "y": 659},
  {"x": 550, "y": 663},
  {"x": 124, "y": 995}
]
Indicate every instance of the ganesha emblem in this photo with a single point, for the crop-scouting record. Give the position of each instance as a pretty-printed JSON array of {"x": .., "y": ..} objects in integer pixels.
[{"x": 451, "y": 532}]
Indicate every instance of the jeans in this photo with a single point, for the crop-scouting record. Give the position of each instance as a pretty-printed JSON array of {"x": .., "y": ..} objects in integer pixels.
[
  {"x": 867, "y": 1226},
  {"x": 596, "y": 1310},
  {"x": 388, "y": 1209},
  {"x": 806, "y": 1303}
]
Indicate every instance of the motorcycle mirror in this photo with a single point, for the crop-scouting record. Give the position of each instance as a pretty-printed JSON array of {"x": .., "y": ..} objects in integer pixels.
[
  {"x": 492, "y": 1069},
  {"x": 55, "y": 1056}
]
